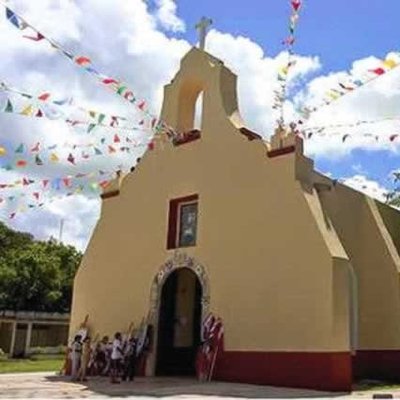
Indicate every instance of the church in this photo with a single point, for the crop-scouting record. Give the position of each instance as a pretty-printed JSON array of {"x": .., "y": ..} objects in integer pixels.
[{"x": 302, "y": 271}]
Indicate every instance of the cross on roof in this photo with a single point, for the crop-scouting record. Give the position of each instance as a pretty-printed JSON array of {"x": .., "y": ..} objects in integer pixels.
[{"x": 202, "y": 27}]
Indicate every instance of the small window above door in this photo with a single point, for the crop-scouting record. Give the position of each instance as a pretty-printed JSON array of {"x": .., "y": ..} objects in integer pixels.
[{"x": 182, "y": 224}]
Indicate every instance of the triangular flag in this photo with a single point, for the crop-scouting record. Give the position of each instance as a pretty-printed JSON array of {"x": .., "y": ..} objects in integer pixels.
[
  {"x": 54, "y": 157},
  {"x": 91, "y": 127},
  {"x": 44, "y": 97},
  {"x": 36, "y": 195},
  {"x": 28, "y": 111},
  {"x": 36, "y": 38},
  {"x": 378, "y": 71},
  {"x": 116, "y": 139},
  {"x": 82, "y": 60},
  {"x": 36, "y": 147},
  {"x": 389, "y": 63},
  {"x": 20, "y": 149},
  {"x": 71, "y": 159},
  {"x": 38, "y": 160},
  {"x": 12, "y": 18},
  {"x": 108, "y": 81},
  {"x": 67, "y": 182},
  {"x": 45, "y": 182},
  {"x": 111, "y": 149},
  {"x": 141, "y": 105},
  {"x": 21, "y": 163},
  {"x": 97, "y": 151},
  {"x": 39, "y": 113},
  {"x": 296, "y": 4},
  {"x": 9, "y": 107},
  {"x": 101, "y": 118}
]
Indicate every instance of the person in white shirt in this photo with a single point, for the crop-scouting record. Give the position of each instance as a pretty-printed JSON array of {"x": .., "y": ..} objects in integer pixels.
[
  {"x": 117, "y": 355},
  {"x": 76, "y": 350}
]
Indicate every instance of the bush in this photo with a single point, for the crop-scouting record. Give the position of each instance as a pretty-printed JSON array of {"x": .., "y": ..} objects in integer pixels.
[{"x": 47, "y": 351}]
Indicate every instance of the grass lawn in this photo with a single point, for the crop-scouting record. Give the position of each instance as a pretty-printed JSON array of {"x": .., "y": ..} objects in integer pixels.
[{"x": 40, "y": 365}]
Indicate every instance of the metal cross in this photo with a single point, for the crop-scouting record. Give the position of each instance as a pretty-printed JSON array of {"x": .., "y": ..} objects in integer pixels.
[{"x": 202, "y": 27}]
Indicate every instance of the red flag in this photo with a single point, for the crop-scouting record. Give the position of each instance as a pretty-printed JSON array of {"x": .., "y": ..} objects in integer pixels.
[
  {"x": 296, "y": 4},
  {"x": 104, "y": 184},
  {"x": 108, "y": 81},
  {"x": 111, "y": 149},
  {"x": 378, "y": 71},
  {"x": 45, "y": 182},
  {"x": 71, "y": 159},
  {"x": 82, "y": 60},
  {"x": 25, "y": 182},
  {"x": 36, "y": 195},
  {"x": 116, "y": 139},
  {"x": 141, "y": 105},
  {"x": 36, "y": 38},
  {"x": 151, "y": 146},
  {"x": 21, "y": 163},
  {"x": 39, "y": 113},
  {"x": 67, "y": 182},
  {"x": 44, "y": 96},
  {"x": 35, "y": 147}
]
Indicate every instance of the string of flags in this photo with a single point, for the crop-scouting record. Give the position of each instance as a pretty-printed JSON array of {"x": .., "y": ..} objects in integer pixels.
[
  {"x": 392, "y": 137},
  {"x": 352, "y": 83},
  {"x": 42, "y": 107},
  {"x": 24, "y": 155},
  {"x": 348, "y": 125},
  {"x": 85, "y": 63},
  {"x": 283, "y": 72}
]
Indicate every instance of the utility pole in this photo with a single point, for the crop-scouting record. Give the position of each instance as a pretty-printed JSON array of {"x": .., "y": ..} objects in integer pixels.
[{"x": 61, "y": 230}]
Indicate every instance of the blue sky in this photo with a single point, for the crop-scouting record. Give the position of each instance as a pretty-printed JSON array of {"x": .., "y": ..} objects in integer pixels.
[{"x": 339, "y": 32}]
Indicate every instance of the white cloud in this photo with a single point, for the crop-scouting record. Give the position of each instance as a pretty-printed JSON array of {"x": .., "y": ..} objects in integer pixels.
[
  {"x": 376, "y": 100},
  {"x": 365, "y": 185},
  {"x": 166, "y": 15}
]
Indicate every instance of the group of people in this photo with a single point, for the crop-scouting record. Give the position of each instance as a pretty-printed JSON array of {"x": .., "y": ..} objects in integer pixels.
[{"x": 116, "y": 359}]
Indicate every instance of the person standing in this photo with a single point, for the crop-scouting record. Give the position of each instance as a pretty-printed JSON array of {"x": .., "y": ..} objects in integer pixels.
[
  {"x": 130, "y": 360},
  {"x": 86, "y": 352},
  {"x": 116, "y": 357},
  {"x": 76, "y": 350}
]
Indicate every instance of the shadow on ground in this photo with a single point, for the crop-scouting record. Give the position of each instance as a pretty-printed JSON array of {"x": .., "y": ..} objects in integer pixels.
[{"x": 168, "y": 387}]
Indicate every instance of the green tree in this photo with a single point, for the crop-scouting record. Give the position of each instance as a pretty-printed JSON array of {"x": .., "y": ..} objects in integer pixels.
[{"x": 35, "y": 275}]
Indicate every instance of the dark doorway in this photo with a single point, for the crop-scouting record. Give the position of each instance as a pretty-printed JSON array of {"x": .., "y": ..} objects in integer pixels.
[{"x": 179, "y": 324}]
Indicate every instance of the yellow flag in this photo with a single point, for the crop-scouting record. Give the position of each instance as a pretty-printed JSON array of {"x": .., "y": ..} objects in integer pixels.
[
  {"x": 54, "y": 158},
  {"x": 27, "y": 111},
  {"x": 3, "y": 151},
  {"x": 333, "y": 95},
  {"x": 284, "y": 70},
  {"x": 389, "y": 63}
]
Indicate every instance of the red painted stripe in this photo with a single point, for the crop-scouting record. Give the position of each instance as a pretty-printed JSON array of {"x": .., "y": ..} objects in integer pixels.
[{"x": 322, "y": 371}]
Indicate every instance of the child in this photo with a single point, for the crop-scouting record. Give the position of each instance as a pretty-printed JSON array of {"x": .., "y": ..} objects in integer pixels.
[
  {"x": 76, "y": 350},
  {"x": 86, "y": 351}
]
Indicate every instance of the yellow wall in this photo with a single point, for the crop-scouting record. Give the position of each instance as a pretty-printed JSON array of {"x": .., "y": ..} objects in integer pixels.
[
  {"x": 279, "y": 275},
  {"x": 375, "y": 260}
]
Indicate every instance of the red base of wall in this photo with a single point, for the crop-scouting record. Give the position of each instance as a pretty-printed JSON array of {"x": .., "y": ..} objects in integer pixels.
[
  {"x": 377, "y": 364},
  {"x": 322, "y": 371}
]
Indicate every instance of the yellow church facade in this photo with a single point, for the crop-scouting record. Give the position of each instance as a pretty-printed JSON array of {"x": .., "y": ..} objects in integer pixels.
[{"x": 302, "y": 271}]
